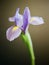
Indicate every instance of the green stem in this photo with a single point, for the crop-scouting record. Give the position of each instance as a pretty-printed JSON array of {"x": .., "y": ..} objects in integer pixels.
[{"x": 27, "y": 39}]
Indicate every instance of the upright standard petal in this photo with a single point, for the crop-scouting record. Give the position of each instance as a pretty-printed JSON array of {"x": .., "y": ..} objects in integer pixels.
[
  {"x": 13, "y": 32},
  {"x": 27, "y": 13},
  {"x": 17, "y": 18},
  {"x": 11, "y": 19},
  {"x": 17, "y": 15},
  {"x": 26, "y": 17},
  {"x": 36, "y": 20}
]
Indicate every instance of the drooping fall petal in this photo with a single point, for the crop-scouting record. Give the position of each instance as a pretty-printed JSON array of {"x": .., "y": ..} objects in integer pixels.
[
  {"x": 36, "y": 20},
  {"x": 11, "y": 19},
  {"x": 13, "y": 32}
]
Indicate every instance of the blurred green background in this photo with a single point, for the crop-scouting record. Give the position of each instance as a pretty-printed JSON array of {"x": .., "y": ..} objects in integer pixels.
[{"x": 16, "y": 52}]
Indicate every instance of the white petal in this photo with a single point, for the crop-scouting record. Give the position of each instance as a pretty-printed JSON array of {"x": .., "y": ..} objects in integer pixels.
[
  {"x": 13, "y": 33},
  {"x": 36, "y": 20},
  {"x": 11, "y": 19}
]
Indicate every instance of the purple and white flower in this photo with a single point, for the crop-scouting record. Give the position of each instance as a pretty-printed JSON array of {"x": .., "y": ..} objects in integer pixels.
[{"x": 21, "y": 23}]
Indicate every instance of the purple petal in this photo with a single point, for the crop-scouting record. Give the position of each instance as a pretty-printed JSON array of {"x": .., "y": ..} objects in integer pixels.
[
  {"x": 17, "y": 11},
  {"x": 26, "y": 17},
  {"x": 17, "y": 18},
  {"x": 19, "y": 21},
  {"x": 36, "y": 20},
  {"x": 12, "y": 33}
]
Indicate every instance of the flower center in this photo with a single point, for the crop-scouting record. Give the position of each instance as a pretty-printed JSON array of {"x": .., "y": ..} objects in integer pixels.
[
  {"x": 14, "y": 28},
  {"x": 32, "y": 19}
]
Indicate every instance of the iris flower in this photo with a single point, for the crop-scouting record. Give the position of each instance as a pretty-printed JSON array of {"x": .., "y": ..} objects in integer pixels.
[
  {"x": 21, "y": 28},
  {"x": 21, "y": 23}
]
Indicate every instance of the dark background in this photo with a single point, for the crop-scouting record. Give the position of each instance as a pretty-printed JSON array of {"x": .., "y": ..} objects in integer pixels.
[{"x": 16, "y": 52}]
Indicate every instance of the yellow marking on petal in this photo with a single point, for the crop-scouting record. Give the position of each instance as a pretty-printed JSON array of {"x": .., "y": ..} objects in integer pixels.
[
  {"x": 32, "y": 19},
  {"x": 14, "y": 28}
]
